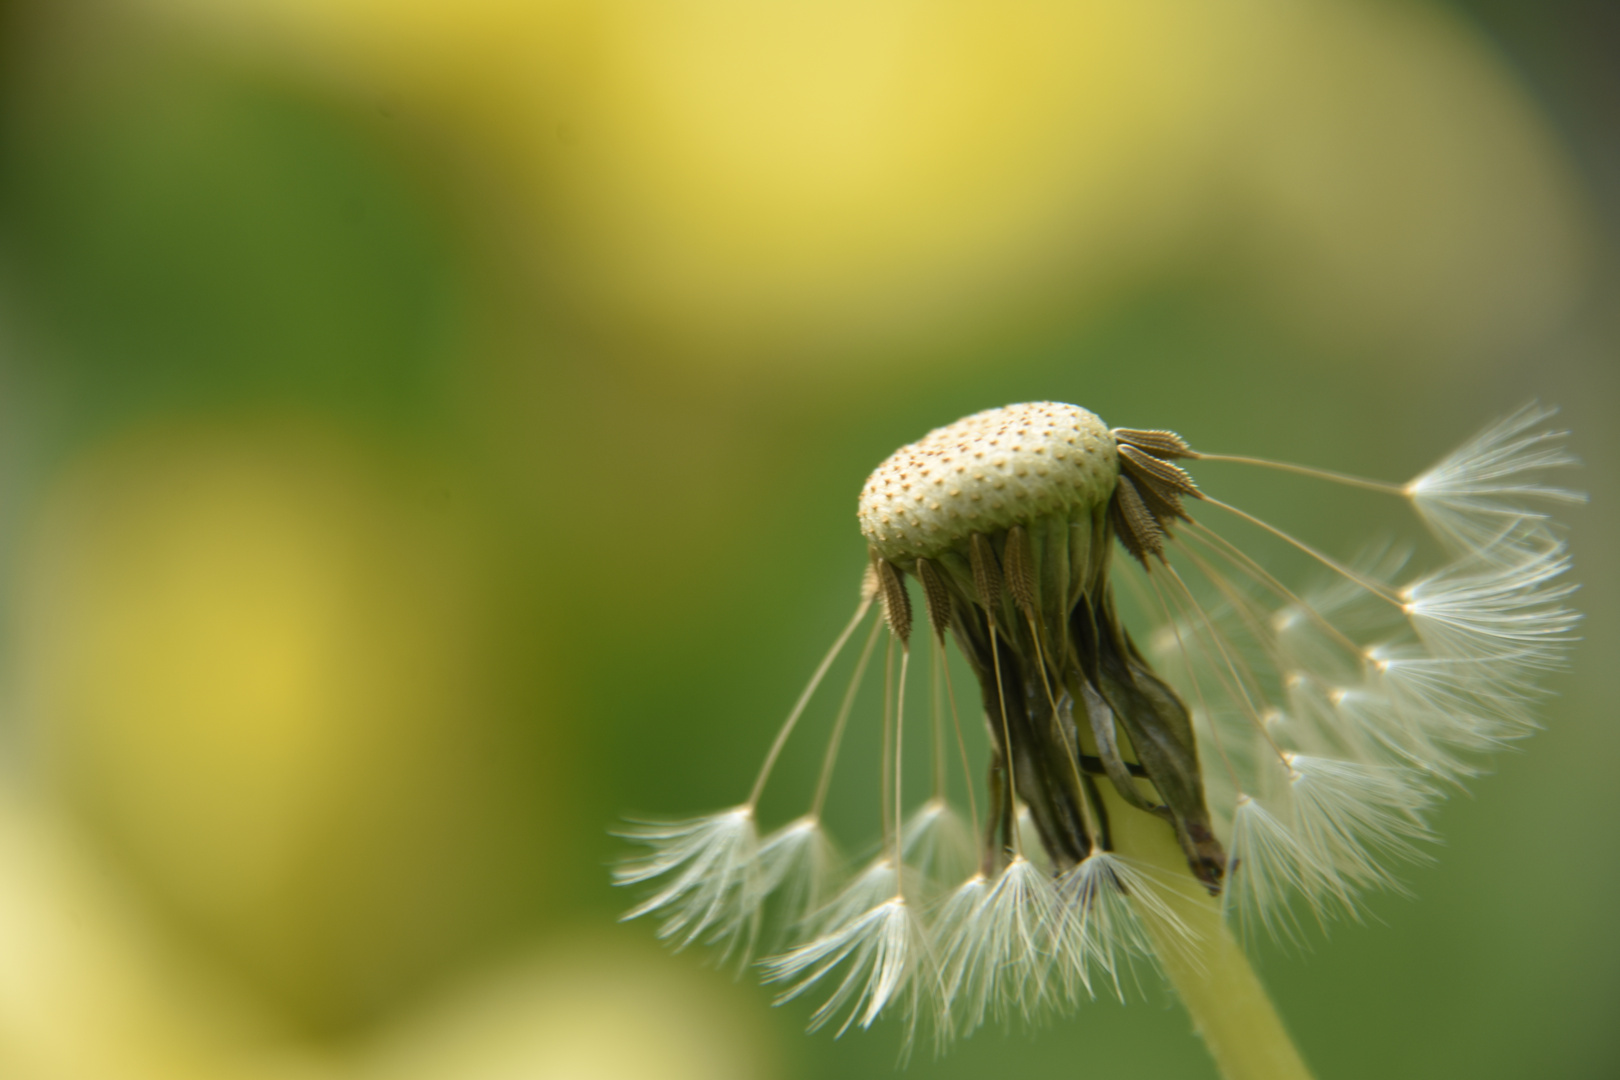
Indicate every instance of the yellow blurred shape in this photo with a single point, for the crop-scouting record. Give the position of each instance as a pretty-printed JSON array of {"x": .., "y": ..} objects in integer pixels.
[
  {"x": 723, "y": 180},
  {"x": 254, "y": 663},
  {"x": 1406, "y": 188},
  {"x": 87, "y": 992},
  {"x": 836, "y": 167},
  {"x": 587, "y": 1009}
]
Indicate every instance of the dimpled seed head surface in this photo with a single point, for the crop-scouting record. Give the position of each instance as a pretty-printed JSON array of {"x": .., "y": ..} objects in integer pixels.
[{"x": 985, "y": 473}]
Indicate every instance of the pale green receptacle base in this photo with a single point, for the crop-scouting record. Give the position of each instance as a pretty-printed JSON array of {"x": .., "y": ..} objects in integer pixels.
[{"x": 1210, "y": 972}]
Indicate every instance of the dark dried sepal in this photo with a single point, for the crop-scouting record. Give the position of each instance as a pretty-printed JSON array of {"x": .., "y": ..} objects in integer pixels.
[
  {"x": 1136, "y": 526},
  {"x": 986, "y": 571},
  {"x": 896, "y": 601},
  {"x": 1147, "y": 498},
  {"x": 1020, "y": 569},
  {"x": 1160, "y": 731},
  {"x": 869, "y": 582},
  {"x": 1164, "y": 444},
  {"x": 1106, "y": 732},
  {"x": 1163, "y": 503},
  {"x": 937, "y": 595},
  {"x": 1157, "y": 472}
]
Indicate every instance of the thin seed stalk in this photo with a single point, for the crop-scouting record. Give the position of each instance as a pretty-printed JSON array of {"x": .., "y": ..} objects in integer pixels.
[{"x": 1211, "y": 974}]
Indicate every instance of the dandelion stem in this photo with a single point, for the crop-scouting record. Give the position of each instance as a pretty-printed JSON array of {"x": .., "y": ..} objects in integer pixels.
[{"x": 1203, "y": 961}]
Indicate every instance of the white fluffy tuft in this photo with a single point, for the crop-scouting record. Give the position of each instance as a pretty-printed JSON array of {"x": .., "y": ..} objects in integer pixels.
[
  {"x": 885, "y": 959},
  {"x": 713, "y": 891},
  {"x": 997, "y": 960},
  {"x": 1481, "y": 489}
]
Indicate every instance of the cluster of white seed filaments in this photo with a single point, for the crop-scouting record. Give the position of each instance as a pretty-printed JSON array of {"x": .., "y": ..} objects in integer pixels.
[{"x": 1327, "y": 723}]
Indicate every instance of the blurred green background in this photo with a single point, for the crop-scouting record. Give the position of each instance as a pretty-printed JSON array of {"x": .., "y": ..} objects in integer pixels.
[{"x": 431, "y": 430}]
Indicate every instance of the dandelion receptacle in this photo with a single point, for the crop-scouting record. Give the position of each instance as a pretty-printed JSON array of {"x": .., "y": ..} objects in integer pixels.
[{"x": 1259, "y": 756}]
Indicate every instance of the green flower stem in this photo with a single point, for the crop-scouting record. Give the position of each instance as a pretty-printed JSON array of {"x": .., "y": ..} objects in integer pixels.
[{"x": 1228, "y": 1004}]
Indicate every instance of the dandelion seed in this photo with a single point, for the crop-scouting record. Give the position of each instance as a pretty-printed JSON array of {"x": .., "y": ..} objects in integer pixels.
[
  {"x": 1001, "y": 952},
  {"x": 884, "y": 956},
  {"x": 1270, "y": 868},
  {"x": 717, "y": 875},
  {"x": 936, "y": 844},
  {"x": 1492, "y": 481},
  {"x": 1106, "y": 901},
  {"x": 875, "y": 883},
  {"x": 800, "y": 864},
  {"x": 958, "y": 931},
  {"x": 1492, "y": 607},
  {"x": 714, "y": 892},
  {"x": 1354, "y": 817},
  {"x": 1473, "y": 703},
  {"x": 1277, "y": 759}
]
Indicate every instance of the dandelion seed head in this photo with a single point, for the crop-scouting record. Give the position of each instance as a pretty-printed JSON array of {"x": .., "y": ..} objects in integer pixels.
[{"x": 1289, "y": 742}]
